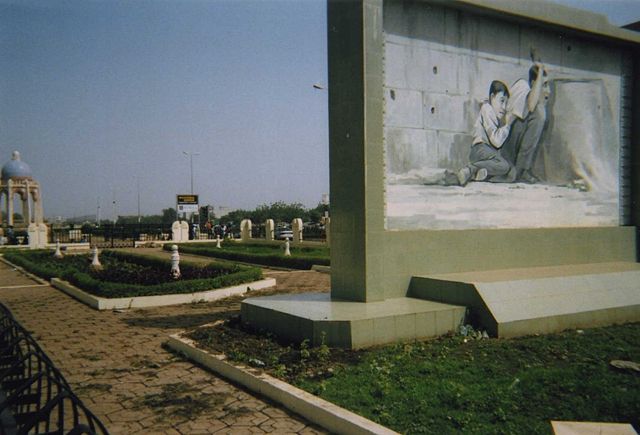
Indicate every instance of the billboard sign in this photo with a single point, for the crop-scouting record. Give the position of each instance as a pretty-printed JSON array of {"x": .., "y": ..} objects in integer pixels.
[{"x": 187, "y": 203}]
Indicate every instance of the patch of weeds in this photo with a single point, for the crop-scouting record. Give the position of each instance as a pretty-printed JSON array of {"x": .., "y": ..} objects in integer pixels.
[
  {"x": 149, "y": 373},
  {"x": 103, "y": 371},
  {"x": 88, "y": 356},
  {"x": 94, "y": 387},
  {"x": 180, "y": 400},
  {"x": 145, "y": 363},
  {"x": 237, "y": 410},
  {"x": 97, "y": 372},
  {"x": 288, "y": 361}
]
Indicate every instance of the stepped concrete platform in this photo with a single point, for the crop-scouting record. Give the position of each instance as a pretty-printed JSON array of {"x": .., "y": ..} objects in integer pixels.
[
  {"x": 516, "y": 302},
  {"x": 350, "y": 324}
]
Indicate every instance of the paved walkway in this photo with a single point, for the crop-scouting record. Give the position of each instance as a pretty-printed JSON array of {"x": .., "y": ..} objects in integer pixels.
[{"x": 115, "y": 362}]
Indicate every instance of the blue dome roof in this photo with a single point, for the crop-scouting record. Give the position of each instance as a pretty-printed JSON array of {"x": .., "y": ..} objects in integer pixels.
[{"x": 16, "y": 169}]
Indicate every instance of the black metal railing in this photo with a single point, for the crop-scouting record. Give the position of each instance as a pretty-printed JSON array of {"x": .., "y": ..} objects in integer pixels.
[
  {"x": 125, "y": 235},
  {"x": 35, "y": 398},
  {"x": 109, "y": 235}
]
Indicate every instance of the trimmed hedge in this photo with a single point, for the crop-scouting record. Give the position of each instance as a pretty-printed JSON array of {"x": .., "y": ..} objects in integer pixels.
[
  {"x": 296, "y": 261},
  {"x": 77, "y": 272}
]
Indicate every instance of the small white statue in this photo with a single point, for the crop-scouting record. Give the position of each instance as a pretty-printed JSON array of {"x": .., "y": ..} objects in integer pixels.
[
  {"x": 58, "y": 253},
  {"x": 218, "y": 241},
  {"x": 175, "y": 262},
  {"x": 287, "y": 251},
  {"x": 95, "y": 262}
]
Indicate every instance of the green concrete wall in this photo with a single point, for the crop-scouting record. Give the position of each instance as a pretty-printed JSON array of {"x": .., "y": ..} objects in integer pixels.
[
  {"x": 346, "y": 150},
  {"x": 369, "y": 263},
  {"x": 635, "y": 144}
]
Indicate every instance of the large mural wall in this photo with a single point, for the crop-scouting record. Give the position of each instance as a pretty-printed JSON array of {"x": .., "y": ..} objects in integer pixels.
[{"x": 462, "y": 154}]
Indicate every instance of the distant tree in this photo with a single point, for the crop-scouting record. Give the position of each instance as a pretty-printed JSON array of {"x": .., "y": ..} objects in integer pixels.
[
  {"x": 315, "y": 214},
  {"x": 278, "y": 211},
  {"x": 127, "y": 220},
  {"x": 283, "y": 212},
  {"x": 87, "y": 228},
  {"x": 169, "y": 215},
  {"x": 235, "y": 217},
  {"x": 204, "y": 213},
  {"x": 150, "y": 219}
]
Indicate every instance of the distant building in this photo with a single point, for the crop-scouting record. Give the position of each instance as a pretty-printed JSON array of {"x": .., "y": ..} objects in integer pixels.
[{"x": 17, "y": 179}]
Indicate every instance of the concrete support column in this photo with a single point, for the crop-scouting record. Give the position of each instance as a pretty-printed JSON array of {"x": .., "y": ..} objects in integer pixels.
[
  {"x": 24, "y": 196},
  {"x": 38, "y": 217},
  {"x": 25, "y": 210},
  {"x": 269, "y": 227},
  {"x": 245, "y": 230},
  {"x": 29, "y": 200},
  {"x": 296, "y": 227}
]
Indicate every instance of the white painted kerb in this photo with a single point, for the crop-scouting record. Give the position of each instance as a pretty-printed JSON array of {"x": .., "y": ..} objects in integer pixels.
[
  {"x": 161, "y": 300},
  {"x": 317, "y": 410}
]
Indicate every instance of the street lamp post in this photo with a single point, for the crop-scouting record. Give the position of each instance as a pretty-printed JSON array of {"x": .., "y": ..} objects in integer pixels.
[
  {"x": 138, "y": 186},
  {"x": 191, "y": 154}
]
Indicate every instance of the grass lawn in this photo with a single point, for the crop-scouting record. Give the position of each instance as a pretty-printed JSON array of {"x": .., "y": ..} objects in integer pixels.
[
  {"x": 456, "y": 384},
  {"x": 302, "y": 257}
]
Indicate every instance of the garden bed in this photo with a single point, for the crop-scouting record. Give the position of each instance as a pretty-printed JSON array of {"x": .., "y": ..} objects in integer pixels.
[
  {"x": 302, "y": 257},
  {"x": 126, "y": 277},
  {"x": 456, "y": 384}
]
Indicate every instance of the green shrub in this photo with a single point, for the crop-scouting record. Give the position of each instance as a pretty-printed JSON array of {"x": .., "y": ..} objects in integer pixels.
[
  {"x": 267, "y": 255},
  {"x": 129, "y": 275}
]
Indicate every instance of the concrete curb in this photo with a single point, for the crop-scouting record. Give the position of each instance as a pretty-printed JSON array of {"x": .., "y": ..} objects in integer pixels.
[
  {"x": 319, "y": 411},
  {"x": 321, "y": 268},
  {"x": 161, "y": 300}
]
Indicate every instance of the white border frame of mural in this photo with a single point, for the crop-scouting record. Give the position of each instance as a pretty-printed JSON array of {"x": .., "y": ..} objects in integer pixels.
[{"x": 438, "y": 66}]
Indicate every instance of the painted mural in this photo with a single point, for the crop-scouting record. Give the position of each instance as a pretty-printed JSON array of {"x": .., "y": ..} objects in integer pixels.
[{"x": 490, "y": 124}]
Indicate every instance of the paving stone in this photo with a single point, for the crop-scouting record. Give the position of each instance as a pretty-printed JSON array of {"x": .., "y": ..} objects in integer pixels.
[
  {"x": 288, "y": 425},
  {"x": 274, "y": 412},
  {"x": 113, "y": 360},
  {"x": 123, "y": 427},
  {"x": 239, "y": 431}
]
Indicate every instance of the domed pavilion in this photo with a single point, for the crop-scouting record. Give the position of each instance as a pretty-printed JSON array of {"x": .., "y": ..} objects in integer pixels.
[{"x": 16, "y": 179}]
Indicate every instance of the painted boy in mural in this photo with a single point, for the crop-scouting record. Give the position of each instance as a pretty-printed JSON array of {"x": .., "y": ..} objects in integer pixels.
[
  {"x": 506, "y": 135},
  {"x": 490, "y": 132},
  {"x": 528, "y": 105}
]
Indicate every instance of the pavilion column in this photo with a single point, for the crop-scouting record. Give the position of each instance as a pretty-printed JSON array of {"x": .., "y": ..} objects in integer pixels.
[
  {"x": 26, "y": 205},
  {"x": 37, "y": 205},
  {"x": 10, "y": 203}
]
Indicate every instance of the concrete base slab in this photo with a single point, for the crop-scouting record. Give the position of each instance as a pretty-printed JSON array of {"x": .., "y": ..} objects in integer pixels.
[
  {"x": 591, "y": 428},
  {"x": 316, "y": 317},
  {"x": 517, "y": 302}
]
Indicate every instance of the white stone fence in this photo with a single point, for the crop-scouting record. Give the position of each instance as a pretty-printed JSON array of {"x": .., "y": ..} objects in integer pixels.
[{"x": 293, "y": 233}]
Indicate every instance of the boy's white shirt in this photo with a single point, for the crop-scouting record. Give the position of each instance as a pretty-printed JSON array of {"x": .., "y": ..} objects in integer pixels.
[
  {"x": 487, "y": 128},
  {"x": 518, "y": 99}
]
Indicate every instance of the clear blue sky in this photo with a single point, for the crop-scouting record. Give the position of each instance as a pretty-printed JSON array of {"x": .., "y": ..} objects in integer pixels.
[{"x": 99, "y": 96}]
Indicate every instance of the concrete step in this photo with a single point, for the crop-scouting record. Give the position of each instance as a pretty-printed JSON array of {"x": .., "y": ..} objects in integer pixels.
[
  {"x": 516, "y": 302},
  {"x": 350, "y": 324}
]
